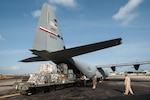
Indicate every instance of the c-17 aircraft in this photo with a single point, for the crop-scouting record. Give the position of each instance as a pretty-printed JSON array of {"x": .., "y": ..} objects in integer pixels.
[{"x": 49, "y": 46}]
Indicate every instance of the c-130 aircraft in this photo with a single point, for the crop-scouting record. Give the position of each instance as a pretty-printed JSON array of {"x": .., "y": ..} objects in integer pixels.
[{"x": 49, "y": 46}]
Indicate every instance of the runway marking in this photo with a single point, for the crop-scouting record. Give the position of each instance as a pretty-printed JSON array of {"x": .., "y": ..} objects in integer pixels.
[{"x": 10, "y": 95}]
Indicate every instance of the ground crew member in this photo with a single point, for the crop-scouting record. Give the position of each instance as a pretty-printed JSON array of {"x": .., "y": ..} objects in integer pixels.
[
  {"x": 84, "y": 79},
  {"x": 100, "y": 80},
  {"x": 94, "y": 81},
  {"x": 127, "y": 83}
]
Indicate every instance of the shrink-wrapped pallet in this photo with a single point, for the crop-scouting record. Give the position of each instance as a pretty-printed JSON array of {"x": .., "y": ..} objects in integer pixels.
[
  {"x": 50, "y": 73},
  {"x": 48, "y": 68},
  {"x": 63, "y": 68},
  {"x": 33, "y": 78},
  {"x": 71, "y": 75},
  {"x": 42, "y": 78}
]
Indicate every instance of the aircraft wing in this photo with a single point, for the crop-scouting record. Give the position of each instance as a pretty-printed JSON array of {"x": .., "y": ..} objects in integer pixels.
[
  {"x": 113, "y": 66},
  {"x": 60, "y": 56}
]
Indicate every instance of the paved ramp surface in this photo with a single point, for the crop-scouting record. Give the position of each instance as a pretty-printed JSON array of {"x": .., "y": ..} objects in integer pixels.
[{"x": 111, "y": 89}]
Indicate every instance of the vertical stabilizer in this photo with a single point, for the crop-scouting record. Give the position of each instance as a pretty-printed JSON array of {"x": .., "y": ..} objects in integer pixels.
[{"x": 48, "y": 36}]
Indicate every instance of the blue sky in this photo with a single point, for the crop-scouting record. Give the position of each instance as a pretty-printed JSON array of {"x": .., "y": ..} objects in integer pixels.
[{"x": 82, "y": 22}]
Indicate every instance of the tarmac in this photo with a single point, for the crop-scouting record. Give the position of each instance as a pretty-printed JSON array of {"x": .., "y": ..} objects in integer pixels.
[{"x": 110, "y": 89}]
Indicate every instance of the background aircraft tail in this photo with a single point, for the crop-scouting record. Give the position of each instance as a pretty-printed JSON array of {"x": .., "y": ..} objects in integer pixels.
[{"x": 48, "y": 36}]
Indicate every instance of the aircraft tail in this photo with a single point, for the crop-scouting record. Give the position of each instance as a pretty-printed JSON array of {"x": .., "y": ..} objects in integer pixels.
[
  {"x": 49, "y": 44},
  {"x": 48, "y": 36}
]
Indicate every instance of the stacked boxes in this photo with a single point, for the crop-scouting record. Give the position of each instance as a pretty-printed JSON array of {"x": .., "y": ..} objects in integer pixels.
[
  {"x": 63, "y": 68},
  {"x": 51, "y": 73},
  {"x": 71, "y": 75},
  {"x": 48, "y": 68}
]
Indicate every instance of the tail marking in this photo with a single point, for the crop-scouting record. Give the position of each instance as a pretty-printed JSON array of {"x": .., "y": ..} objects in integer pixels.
[{"x": 48, "y": 31}]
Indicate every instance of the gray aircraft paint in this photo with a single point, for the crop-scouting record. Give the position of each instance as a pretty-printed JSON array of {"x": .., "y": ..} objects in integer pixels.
[
  {"x": 48, "y": 35},
  {"x": 49, "y": 46}
]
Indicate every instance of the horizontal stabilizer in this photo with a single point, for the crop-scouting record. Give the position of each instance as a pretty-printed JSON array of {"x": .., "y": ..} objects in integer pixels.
[
  {"x": 33, "y": 59},
  {"x": 90, "y": 47},
  {"x": 60, "y": 56}
]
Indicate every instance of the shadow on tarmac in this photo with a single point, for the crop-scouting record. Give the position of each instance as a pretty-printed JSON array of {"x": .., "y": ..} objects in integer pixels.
[
  {"x": 130, "y": 97},
  {"x": 121, "y": 80}
]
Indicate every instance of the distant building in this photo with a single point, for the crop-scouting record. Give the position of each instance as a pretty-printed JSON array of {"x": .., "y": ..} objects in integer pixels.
[{"x": 130, "y": 72}]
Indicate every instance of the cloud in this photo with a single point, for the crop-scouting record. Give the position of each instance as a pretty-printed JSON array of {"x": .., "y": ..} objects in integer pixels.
[
  {"x": 36, "y": 13},
  {"x": 127, "y": 13},
  {"x": 1, "y": 38},
  {"x": 66, "y": 3},
  {"x": 15, "y": 68}
]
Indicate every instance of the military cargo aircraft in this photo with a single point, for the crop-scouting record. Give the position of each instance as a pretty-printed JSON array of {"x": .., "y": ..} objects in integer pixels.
[{"x": 49, "y": 46}]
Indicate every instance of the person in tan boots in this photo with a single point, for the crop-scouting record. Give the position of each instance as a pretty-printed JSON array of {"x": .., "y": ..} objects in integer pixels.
[
  {"x": 94, "y": 81},
  {"x": 127, "y": 83}
]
